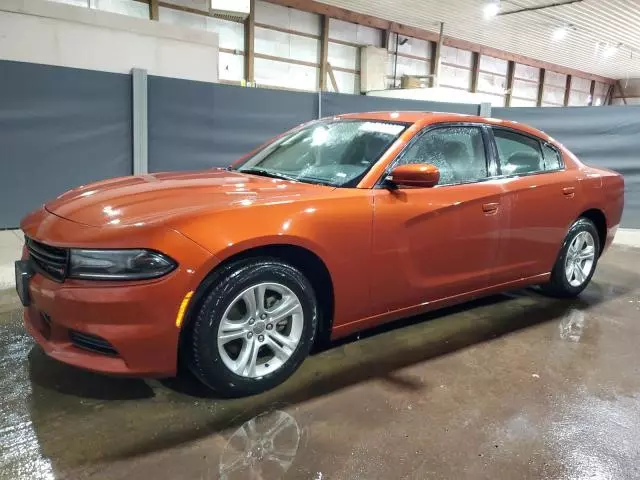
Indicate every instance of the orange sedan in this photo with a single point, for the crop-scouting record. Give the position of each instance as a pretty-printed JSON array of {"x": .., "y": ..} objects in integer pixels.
[{"x": 335, "y": 226}]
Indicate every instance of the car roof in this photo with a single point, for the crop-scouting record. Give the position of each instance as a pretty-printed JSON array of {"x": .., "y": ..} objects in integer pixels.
[{"x": 427, "y": 118}]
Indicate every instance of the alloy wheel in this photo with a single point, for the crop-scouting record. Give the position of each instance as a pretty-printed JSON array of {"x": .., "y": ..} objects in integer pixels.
[
  {"x": 260, "y": 330},
  {"x": 580, "y": 259}
]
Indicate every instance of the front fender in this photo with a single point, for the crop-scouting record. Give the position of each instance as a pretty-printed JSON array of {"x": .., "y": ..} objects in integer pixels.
[{"x": 337, "y": 229}]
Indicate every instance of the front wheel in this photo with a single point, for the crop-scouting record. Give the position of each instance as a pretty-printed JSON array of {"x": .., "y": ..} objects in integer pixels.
[
  {"x": 576, "y": 262},
  {"x": 254, "y": 328}
]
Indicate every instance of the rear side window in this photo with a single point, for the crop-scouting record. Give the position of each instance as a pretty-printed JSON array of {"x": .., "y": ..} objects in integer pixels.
[
  {"x": 552, "y": 160},
  {"x": 519, "y": 154}
]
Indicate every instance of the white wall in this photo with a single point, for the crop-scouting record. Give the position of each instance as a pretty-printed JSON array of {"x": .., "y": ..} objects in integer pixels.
[
  {"x": 287, "y": 53},
  {"x": 437, "y": 94},
  {"x": 56, "y": 34},
  {"x": 630, "y": 90},
  {"x": 292, "y": 36}
]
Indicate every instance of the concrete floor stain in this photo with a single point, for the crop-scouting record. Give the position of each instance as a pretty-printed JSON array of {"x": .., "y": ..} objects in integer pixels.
[{"x": 512, "y": 386}]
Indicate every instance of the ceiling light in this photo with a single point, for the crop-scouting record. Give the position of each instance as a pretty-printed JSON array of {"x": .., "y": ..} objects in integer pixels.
[
  {"x": 609, "y": 51},
  {"x": 491, "y": 9},
  {"x": 559, "y": 33}
]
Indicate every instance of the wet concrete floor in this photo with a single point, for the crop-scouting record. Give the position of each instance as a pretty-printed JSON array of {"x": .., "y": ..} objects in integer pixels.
[{"x": 513, "y": 386}]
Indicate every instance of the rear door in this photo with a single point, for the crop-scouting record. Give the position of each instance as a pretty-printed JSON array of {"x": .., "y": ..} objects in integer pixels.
[
  {"x": 540, "y": 201},
  {"x": 439, "y": 242}
]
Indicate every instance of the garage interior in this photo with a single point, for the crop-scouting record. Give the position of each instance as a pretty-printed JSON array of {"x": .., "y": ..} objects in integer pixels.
[{"x": 510, "y": 386}]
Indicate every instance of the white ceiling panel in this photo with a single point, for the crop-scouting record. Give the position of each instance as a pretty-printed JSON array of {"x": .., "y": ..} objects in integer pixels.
[{"x": 591, "y": 22}]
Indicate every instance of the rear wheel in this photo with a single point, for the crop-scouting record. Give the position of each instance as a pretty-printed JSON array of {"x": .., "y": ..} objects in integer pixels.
[
  {"x": 576, "y": 262},
  {"x": 254, "y": 328}
]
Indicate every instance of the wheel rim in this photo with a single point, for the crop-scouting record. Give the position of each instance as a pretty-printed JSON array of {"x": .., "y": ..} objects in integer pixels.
[
  {"x": 260, "y": 330},
  {"x": 580, "y": 259},
  {"x": 263, "y": 447}
]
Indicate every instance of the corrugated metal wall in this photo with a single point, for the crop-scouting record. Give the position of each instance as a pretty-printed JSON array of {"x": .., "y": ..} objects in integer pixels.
[
  {"x": 59, "y": 128},
  {"x": 196, "y": 125},
  {"x": 602, "y": 137},
  {"x": 62, "y": 127}
]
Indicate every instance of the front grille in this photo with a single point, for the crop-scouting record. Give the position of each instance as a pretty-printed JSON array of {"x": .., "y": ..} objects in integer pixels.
[
  {"x": 93, "y": 343},
  {"x": 51, "y": 261}
]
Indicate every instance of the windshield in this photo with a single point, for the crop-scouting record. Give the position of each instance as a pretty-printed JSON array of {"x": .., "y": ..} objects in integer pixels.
[{"x": 336, "y": 152}]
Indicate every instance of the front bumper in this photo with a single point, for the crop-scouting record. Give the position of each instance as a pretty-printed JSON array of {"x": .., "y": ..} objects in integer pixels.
[
  {"x": 138, "y": 322},
  {"x": 137, "y": 319}
]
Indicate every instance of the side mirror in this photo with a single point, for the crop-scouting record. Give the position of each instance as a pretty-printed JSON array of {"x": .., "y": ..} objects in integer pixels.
[{"x": 415, "y": 175}]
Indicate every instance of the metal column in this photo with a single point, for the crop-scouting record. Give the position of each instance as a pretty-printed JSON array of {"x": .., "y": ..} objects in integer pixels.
[
  {"x": 484, "y": 110},
  {"x": 140, "y": 126}
]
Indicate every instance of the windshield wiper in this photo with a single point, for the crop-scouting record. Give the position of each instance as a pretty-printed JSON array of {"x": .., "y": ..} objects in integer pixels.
[{"x": 268, "y": 173}]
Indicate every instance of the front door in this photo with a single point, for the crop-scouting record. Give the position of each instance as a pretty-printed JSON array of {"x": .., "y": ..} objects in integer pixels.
[{"x": 434, "y": 243}]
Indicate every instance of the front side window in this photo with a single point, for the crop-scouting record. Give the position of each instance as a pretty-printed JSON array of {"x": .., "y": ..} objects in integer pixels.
[
  {"x": 458, "y": 152},
  {"x": 519, "y": 154},
  {"x": 336, "y": 152}
]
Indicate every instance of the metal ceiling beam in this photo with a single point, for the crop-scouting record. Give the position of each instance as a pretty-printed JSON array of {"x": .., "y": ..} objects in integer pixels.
[{"x": 539, "y": 7}]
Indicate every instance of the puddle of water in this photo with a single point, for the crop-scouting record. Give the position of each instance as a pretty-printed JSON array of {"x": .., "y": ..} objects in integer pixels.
[{"x": 20, "y": 456}]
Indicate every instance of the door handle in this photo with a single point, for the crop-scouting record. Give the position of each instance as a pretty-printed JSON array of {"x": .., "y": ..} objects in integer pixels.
[
  {"x": 569, "y": 191},
  {"x": 490, "y": 208}
]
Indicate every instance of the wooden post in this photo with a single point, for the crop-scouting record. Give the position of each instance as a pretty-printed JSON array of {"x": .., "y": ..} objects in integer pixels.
[
  {"x": 592, "y": 91},
  {"x": 567, "y": 91},
  {"x": 384, "y": 35},
  {"x": 436, "y": 62},
  {"x": 153, "y": 10},
  {"x": 541, "y": 87},
  {"x": 511, "y": 72},
  {"x": 624, "y": 99},
  {"x": 475, "y": 72},
  {"x": 324, "y": 51},
  {"x": 608, "y": 99},
  {"x": 332, "y": 77},
  {"x": 249, "y": 40},
  {"x": 433, "y": 46}
]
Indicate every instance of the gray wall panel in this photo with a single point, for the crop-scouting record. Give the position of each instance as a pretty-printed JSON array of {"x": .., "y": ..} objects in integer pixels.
[
  {"x": 600, "y": 136},
  {"x": 339, "y": 103},
  {"x": 59, "y": 128},
  {"x": 195, "y": 125}
]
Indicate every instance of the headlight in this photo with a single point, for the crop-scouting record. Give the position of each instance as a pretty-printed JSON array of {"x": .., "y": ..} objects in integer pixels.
[{"x": 135, "y": 264}]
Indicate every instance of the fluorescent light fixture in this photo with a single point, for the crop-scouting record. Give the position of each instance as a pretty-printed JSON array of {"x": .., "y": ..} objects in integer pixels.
[
  {"x": 609, "y": 51},
  {"x": 491, "y": 9},
  {"x": 559, "y": 33},
  {"x": 319, "y": 136}
]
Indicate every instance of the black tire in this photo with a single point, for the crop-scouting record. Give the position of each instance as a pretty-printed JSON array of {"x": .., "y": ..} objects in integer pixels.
[
  {"x": 203, "y": 357},
  {"x": 559, "y": 286}
]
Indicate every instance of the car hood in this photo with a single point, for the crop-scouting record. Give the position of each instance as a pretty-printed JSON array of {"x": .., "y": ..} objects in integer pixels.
[{"x": 145, "y": 199}]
